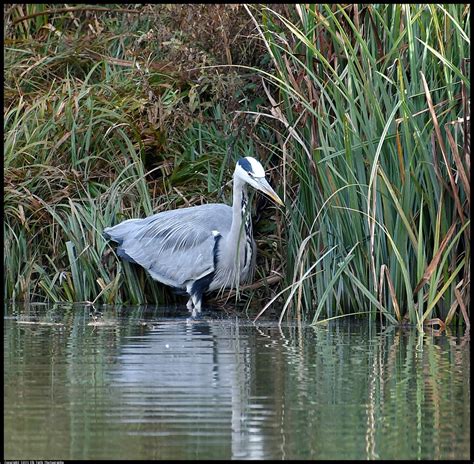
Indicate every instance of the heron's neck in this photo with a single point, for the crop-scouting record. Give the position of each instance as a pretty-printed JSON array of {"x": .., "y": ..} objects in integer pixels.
[{"x": 241, "y": 219}]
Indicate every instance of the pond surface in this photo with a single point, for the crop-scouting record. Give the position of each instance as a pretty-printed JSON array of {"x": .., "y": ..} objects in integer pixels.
[{"x": 149, "y": 384}]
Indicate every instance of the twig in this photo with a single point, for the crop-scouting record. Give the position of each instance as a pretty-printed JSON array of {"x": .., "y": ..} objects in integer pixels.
[
  {"x": 261, "y": 283},
  {"x": 76, "y": 8}
]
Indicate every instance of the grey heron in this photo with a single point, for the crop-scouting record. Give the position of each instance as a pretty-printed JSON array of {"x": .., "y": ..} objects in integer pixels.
[{"x": 200, "y": 248}]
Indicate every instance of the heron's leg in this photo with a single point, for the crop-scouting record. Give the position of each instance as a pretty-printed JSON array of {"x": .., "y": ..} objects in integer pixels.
[
  {"x": 197, "y": 298},
  {"x": 189, "y": 304}
]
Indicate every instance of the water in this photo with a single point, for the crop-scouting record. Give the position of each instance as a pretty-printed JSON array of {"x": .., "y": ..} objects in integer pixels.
[{"x": 148, "y": 384}]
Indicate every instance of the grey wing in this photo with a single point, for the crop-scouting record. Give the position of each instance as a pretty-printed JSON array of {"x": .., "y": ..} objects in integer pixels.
[{"x": 176, "y": 246}]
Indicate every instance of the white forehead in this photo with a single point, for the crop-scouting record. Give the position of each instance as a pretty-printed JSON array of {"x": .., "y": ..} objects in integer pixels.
[{"x": 257, "y": 168}]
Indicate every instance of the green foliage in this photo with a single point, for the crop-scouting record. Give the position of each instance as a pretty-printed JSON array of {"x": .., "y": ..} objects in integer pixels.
[
  {"x": 371, "y": 99},
  {"x": 98, "y": 129},
  {"x": 359, "y": 112}
]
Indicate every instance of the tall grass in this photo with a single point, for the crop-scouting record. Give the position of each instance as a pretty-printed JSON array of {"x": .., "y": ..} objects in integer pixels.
[{"x": 373, "y": 103}]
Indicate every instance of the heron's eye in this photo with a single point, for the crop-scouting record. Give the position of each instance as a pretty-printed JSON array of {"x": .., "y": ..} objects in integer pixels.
[{"x": 250, "y": 174}]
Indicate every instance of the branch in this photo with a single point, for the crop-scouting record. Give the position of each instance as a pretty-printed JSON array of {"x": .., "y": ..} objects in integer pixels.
[{"x": 76, "y": 8}]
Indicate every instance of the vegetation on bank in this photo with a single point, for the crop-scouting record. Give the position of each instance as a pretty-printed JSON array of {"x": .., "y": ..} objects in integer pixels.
[{"x": 360, "y": 113}]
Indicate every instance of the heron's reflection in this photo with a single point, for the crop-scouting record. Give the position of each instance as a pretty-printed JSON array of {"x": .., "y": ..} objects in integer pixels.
[{"x": 193, "y": 377}]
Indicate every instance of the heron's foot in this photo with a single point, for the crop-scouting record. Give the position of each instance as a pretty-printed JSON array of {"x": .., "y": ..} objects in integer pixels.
[{"x": 194, "y": 316}]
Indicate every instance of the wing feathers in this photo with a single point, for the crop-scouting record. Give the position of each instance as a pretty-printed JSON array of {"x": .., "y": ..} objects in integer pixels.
[{"x": 173, "y": 246}]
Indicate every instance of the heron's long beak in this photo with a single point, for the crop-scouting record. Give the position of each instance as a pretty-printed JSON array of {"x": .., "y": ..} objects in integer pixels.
[{"x": 265, "y": 187}]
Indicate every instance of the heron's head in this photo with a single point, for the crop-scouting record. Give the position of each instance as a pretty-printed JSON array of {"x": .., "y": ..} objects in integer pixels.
[{"x": 250, "y": 171}]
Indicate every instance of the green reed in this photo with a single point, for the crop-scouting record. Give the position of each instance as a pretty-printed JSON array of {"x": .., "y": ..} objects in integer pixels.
[{"x": 372, "y": 101}]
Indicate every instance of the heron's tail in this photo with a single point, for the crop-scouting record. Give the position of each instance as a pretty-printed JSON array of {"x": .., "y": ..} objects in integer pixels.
[
  {"x": 122, "y": 231},
  {"x": 119, "y": 234}
]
